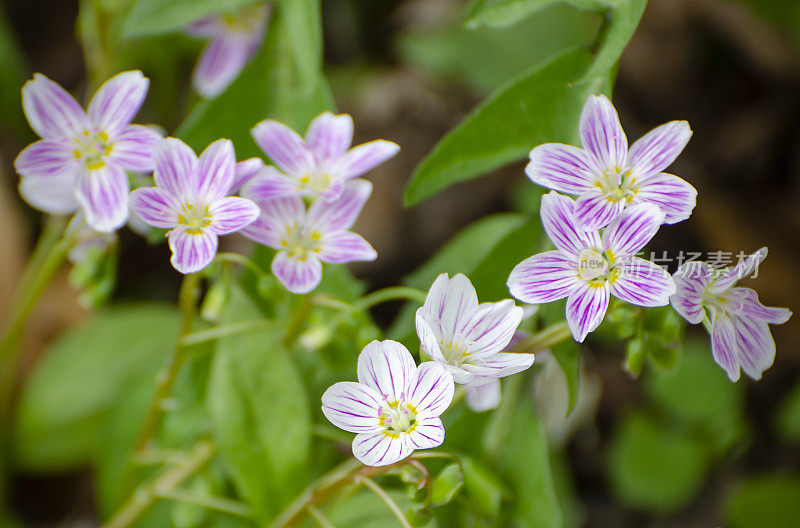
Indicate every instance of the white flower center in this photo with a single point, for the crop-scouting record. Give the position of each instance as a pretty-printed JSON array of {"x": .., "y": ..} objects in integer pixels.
[
  {"x": 244, "y": 21},
  {"x": 299, "y": 243},
  {"x": 92, "y": 148},
  {"x": 595, "y": 267},
  {"x": 196, "y": 217},
  {"x": 318, "y": 181},
  {"x": 617, "y": 184},
  {"x": 454, "y": 352},
  {"x": 398, "y": 417}
]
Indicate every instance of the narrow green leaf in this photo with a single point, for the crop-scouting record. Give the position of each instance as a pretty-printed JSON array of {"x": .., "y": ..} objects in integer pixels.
[
  {"x": 768, "y": 500},
  {"x": 304, "y": 25},
  {"x": 483, "y": 486},
  {"x": 150, "y": 17},
  {"x": 13, "y": 70},
  {"x": 625, "y": 18},
  {"x": 446, "y": 485},
  {"x": 568, "y": 358},
  {"x": 500, "y": 13}
]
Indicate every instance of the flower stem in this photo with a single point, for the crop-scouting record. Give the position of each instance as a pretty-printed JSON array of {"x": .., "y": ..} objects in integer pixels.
[
  {"x": 210, "y": 502},
  {"x": 319, "y": 517},
  {"x": 547, "y": 337},
  {"x": 392, "y": 293},
  {"x": 380, "y": 492},
  {"x": 143, "y": 498},
  {"x": 226, "y": 330},
  {"x": 235, "y": 258}
]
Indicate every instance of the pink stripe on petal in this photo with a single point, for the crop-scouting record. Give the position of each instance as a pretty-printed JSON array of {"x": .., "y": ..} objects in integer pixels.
[
  {"x": 448, "y": 305},
  {"x": 232, "y": 214},
  {"x": 429, "y": 343},
  {"x": 345, "y": 246},
  {"x": 484, "y": 397},
  {"x": 633, "y": 229},
  {"x": 602, "y": 134},
  {"x": 723, "y": 346},
  {"x": 340, "y": 214},
  {"x": 388, "y": 367},
  {"x": 586, "y": 307},
  {"x": 192, "y": 252},
  {"x": 672, "y": 195},
  {"x": 329, "y": 136},
  {"x": 490, "y": 327},
  {"x": 133, "y": 148},
  {"x": 544, "y": 278},
  {"x": 428, "y": 433},
  {"x": 103, "y": 195},
  {"x": 175, "y": 167},
  {"x": 270, "y": 183},
  {"x": 643, "y": 283},
  {"x": 51, "y": 194},
  {"x": 284, "y": 147},
  {"x": 244, "y": 172},
  {"x": 118, "y": 100},
  {"x": 691, "y": 280},
  {"x": 47, "y": 157},
  {"x": 51, "y": 111},
  {"x": 297, "y": 275},
  {"x": 215, "y": 171},
  {"x": 741, "y": 270},
  {"x": 562, "y": 226},
  {"x": 432, "y": 391},
  {"x": 352, "y": 406},
  {"x": 366, "y": 157},
  {"x": 656, "y": 150},
  {"x": 501, "y": 365},
  {"x": 220, "y": 63},
  {"x": 594, "y": 209},
  {"x": 752, "y": 307},
  {"x": 379, "y": 449},
  {"x": 755, "y": 344},
  {"x": 278, "y": 217},
  {"x": 563, "y": 168},
  {"x": 156, "y": 207}
]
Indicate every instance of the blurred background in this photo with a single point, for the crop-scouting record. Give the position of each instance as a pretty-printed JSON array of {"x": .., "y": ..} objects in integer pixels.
[{"x": 684, "y": 450}]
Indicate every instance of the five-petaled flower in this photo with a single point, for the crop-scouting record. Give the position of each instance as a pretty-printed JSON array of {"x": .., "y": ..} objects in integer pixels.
[
  {"x": 305, "y": 238},
  {"x": 191, "y": 199},
  {"x": 468, "y": 338},
  {"x": 235, "y": 38},
  {"x": 607, "y": 176},
  {"x": 394, "y": 407},
  {"x": 587, "y": 267},
  {"x": 736, "y": 319},
  {"x": 320, "y": 164},
  {"x": 81, "y": 161}
]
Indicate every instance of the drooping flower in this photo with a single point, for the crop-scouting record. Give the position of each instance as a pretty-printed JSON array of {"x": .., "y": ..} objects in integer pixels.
[
  {"x": 234, "y": 39},
  {"x": 320, "y": 164},
  {"x": 587, "y": 267},
  {"x": 191, "y": 199},
  {"x": 81, "y": 160},
  {"x": 394, "y": 407},
  {"x": 606, "y": 176},
  {"x": 735, "y": 318},
  {"x": 305, "y": 238},
  {"x": 468, "y": 338}
]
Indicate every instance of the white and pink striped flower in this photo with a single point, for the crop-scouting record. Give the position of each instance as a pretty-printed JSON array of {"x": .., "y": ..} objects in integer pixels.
[
  {"x": 468, "y": 338},
  {"x": 320, "y": 164},
  {"x": 587, "y": 267},
  {"x": 305, "y": 238},
  {"x": 234, "y": 39},
  {"x": 606, "y": 176},
  {"x": 735, "y": 318},
  {"x": 191, "y": 199},
  {"x": 394, "y": 407},
  {"x": 81, "y": 160}
]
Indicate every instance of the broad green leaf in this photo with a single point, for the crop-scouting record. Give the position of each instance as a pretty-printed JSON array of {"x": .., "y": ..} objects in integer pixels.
[
  {"x": 788, "y": 417},
  {"x": 655, "y": 468},
  {"x": 768, "y": 500},
  {"x": 304, "y": 25},
  {"x": 507, "y": 12},
  {"x": 542, "y": 105},
  {"x": 625, "y": 18},
  {"x": 149, "y": 17},
  {"x": 483, "y": 487},
  {"x": 65, "y": 402},
  {"x": 446, "y": 485},
  {"x": 260, "y": 413}
]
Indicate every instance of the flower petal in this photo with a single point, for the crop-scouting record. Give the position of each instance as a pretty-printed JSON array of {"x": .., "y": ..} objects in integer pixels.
[
  {"x": 220, "y": 63},
  {"x": 656, "y": 150},
  {"x": 341, "y": 214},
  {"x": 345, "y": 246},
  {"x": 205, "y": 27},
  {"x": 284, "y": 147},
  {"x": 427, "y": 433},
  {"x": 691, "y": 280},
  {"x": 484, "y": 397},
  {"x": 133, "y": 148},
  {"x": 156, "y": 207},
  {"x": 601, "y": 133},
  {"x": 271, "y": 183},
  {"x": 433, "y": 389},
  {"x": 380, "y": 449},
  {"x": 175, "y": 167},
  {"x": 544, "y": 278},
  {"x": 51, "y": 194},
  {"x": 352, "y": 406},
  {"x": 448, "y": 305},
  {"x": 47, "y": 157},
  {"x": 329, "y": 136},
  {"x": 674, "y": 196},
  {"x": 118, "y": 100},
  {"x": 192, "y": 251},
  {"x": 215, "y": 172},
  {"x": 428, "y": 341},
  {"x": 731, "y": 276},
  {"x": 297, "y": 275},
  {"x": 643, "y": 283},
  {"x": 244, "y": 172},
  {"x": 627, "y": 234},
  {"x": 562, "y": 226},
  {"x": 752, "y": 307},
  {"x": 723, "y": 345},
  {"x": 387, "y": 367},
  {"x": 366, "y": 157},
  {"x": 103, "y": 195},
  {"x": 500, "y": 365},
  {"x": 594, "y": 209},
  {"x": 490, "y": 327},
  {"x": 586, "y": 307},
  {"x": 51, "y": 111},
  {"x": 231, "y": 214},
  {"x": 563, "y": 168},
  {"x": 276, "y": 218},
  {"x": 755, "y": 344}
]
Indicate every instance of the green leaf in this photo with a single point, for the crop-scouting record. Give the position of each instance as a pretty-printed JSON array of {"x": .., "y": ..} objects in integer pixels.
[
  {"x": 304, "y": 24},
  {"x": 260, "y": 413},
  {"x": 768, "y": 500},
  {"x": 483, "y": 486},
  {"x": 13, "y": 70},
  {"x": 149, "y": 17},
  {"x": 654, "y": 468},
  {"x": 446, "y": 485},
  {"x": 66, "y": 400},
  {"x": 542, "y": 105},
  {"x": 364, "y": 510},
  {"x": 501, "y": 13},
  {"x": 567, "y": 355},
  {"x": 625, "y": 18},
  {"x": 788, "y": 417}
]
